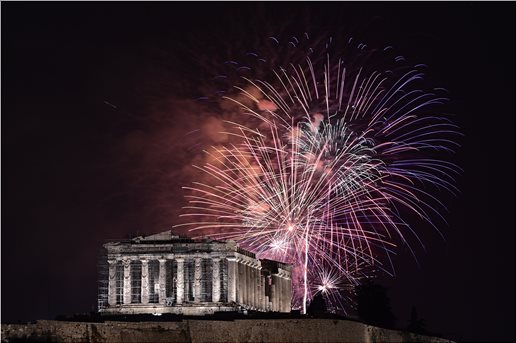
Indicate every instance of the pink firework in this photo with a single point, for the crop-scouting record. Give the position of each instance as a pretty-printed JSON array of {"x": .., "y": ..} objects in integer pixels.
[{"x": 325, "y": 159}]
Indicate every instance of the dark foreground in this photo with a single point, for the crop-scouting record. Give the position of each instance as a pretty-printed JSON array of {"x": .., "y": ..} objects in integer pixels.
[{"x": 193, "y": 330}]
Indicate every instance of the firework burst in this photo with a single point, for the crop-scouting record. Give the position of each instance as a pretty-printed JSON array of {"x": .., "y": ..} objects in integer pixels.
[{"x": 326, "y": 159}]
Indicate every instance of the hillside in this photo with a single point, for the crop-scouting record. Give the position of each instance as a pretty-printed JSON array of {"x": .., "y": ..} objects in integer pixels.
[{"x": 247, "y": 330}]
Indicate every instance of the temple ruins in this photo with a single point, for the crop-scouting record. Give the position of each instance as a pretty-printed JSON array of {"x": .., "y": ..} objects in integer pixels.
[{"x": 166, "y": 273}]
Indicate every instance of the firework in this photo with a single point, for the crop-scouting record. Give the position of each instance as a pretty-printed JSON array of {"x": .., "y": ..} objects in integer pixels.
[{"x": 326, "y": 158}]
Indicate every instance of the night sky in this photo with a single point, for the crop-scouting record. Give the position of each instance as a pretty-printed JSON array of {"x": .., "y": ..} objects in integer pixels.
[{"x": 97, "y": 99}]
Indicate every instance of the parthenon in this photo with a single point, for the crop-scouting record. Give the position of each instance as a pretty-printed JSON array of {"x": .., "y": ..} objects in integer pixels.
[{"x": 166, "y": 273}]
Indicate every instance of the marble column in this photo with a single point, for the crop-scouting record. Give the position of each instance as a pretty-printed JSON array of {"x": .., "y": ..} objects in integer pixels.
[
  {"x": 249, "y": 284},
  {"x": 245, "y": 279},
  {"x": 253, "y": 285},
  {"x": 231, "y": 279},
  {"x": 188, "y": 289},
  {"x": 112, "y": 282},
  {"x": 283, "y": 302},
  {"x": 239, "y": 278},
  {"x": 283, "y": 293},
  {"x": 241, "y": 282},
  {"x": 180, "y": 280},
  {"x": 263, "y": 302},
  {"x": 145, "y": 281},
  {"x": 278, "y": 293},
  {"x": 289, "y": 292},
  {"x": 257, "y": 287},
  {"x": 162, "y": 279},
  {"x": 127, "y": 281},
  {"x": 268, "y": 282},
  {"x": 197, "y": 280},
  {"x": 273, "y": 294},
  {"x": 215, "y": 287},
  {"x": 288, "y": 306}
]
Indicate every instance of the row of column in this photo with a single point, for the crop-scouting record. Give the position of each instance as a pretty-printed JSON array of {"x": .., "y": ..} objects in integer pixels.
[
  {"x": 245, "y": 283},
  {"x": 180, "y": 281},
  {"x": 251, "y": 285},
  {"x": 281, "y": 292}
]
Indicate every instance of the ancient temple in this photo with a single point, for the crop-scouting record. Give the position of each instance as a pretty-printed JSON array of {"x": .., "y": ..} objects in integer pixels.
[{"x": 165, "y": 273}]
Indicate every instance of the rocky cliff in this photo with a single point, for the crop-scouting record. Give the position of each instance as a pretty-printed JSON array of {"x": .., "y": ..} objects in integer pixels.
[{"x": 247, "y": 330}]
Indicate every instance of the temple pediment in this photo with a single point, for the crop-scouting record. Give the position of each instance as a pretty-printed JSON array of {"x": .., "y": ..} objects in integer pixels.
[{"x": 162, "y": 236}]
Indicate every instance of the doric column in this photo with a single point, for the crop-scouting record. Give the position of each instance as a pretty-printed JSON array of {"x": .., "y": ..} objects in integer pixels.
[
  {"x": 180, "y": 280},
  {"x": 197, "y": 280},
  {"x": 252, "y": 285},
  {"x": 145, "y": 281},
  {"x": 289, "y": 292},
  {"x": 282, "y": 293},
  {"x": 283, "y": 302},
  {"x": 268, "y": 298},
  {"x": 263, "y": 302},
  {"x": 286, "y": 297},
  {"x": 188, "y": 289},
  {"x": 240, "y": 281},
  {"x": 231, "y": 279},
  {"x": 279, "y": 292},
  {"x": 244, "y": 282},
  {"x": 112, "y": 283},
  {"x": 127, "y": 281},
  {"x": 162, "y": 281},
  {"x": 273, "y": 295},
  {"x": 248, "y": 284},
  {"x": 215, "y": 287},
  {"x": 256, "y": 286}
]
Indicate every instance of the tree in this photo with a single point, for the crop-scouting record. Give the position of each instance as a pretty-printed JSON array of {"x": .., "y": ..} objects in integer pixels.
[
  {"x": 317, "y": 306},
  {"x": 373, "y": 305},
  {"x": 416, "y": 325}
]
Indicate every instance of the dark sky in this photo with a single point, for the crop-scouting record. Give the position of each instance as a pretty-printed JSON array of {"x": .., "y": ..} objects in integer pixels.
[{"x": 96, "y": 101}]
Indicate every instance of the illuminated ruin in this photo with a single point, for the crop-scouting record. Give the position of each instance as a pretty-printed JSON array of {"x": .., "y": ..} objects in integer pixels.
[{"x": 165, "y": 273}]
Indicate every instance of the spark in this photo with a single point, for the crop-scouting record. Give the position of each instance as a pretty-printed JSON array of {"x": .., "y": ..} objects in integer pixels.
[{"x": 327, "y": 158}]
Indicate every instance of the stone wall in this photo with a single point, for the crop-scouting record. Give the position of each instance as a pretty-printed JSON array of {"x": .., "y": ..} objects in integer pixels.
[{"x": 247, "y": 330}]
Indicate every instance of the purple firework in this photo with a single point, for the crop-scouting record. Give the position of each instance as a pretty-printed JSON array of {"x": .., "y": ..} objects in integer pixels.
[{"x": 328, "y": 153}]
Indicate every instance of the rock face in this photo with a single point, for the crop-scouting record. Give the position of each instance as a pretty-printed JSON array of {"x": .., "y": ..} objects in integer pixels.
[{"x": 248, "y": 330}]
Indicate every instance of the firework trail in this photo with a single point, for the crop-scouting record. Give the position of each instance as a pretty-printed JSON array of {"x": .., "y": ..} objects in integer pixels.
[{"x": 326, "y": 158}]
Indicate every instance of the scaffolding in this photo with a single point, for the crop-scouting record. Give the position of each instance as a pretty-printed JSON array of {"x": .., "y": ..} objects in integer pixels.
[
  {"x": 153, "y": 281},
  {"x": 119, "y": 277},
  {"x": 103, "y": 280},
  {"x": 136, "y": 282},
  {"x": 223, "y": 270}
]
